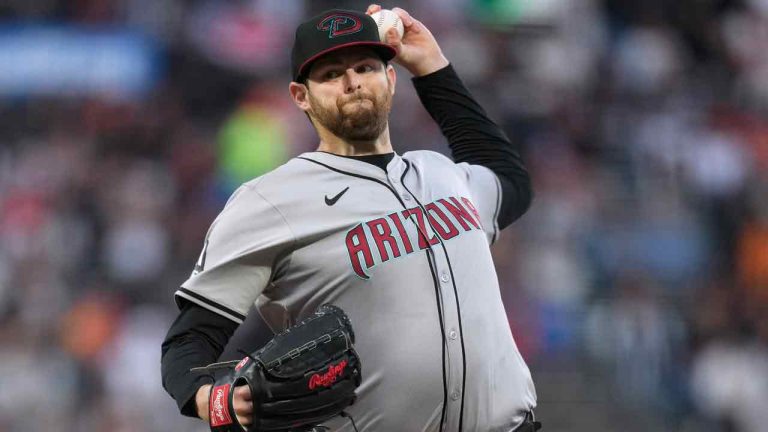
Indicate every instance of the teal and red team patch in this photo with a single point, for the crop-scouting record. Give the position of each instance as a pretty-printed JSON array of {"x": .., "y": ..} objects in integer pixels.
[{"x": 447, "y": 220}]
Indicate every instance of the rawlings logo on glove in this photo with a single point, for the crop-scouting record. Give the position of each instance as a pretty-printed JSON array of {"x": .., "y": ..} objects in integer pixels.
[
  {"x": 329, "y": 377},
  {"x": 219, "y": 414}
]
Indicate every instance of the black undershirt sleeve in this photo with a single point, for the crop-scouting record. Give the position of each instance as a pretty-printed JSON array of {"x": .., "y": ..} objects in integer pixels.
[
  {"x": 476, "y": 139},
  {"x": 195, "y": 339}
]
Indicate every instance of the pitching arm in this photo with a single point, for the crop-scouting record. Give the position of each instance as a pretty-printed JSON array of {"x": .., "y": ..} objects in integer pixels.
[{"x": 474, "y": 138}]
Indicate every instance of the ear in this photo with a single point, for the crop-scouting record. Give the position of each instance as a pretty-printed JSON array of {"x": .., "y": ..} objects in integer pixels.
[
  {"x": 392, "y": 78},
  {"x": 299, "y": 95}
]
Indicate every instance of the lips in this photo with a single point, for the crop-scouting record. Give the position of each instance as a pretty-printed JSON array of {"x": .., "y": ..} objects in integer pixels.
[
  {"x": 359, "y": 97},
  {"x": 360, "y": 102}
]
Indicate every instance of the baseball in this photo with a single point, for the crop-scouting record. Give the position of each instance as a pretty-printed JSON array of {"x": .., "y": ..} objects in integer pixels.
[{"x": 385, "y": 20}]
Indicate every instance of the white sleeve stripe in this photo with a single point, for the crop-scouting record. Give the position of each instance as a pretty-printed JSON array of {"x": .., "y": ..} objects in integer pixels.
[
  {"x": 210, "y": 305},
  {"x": 498, "y": 209}
]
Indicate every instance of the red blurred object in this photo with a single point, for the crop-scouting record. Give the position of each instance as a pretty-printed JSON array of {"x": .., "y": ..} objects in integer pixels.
[{"x": 89, "y": 326}]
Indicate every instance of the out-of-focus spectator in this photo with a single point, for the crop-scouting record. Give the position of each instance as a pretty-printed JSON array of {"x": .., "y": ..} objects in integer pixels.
[
  {"x": 254, "y": 139},
  {"x": 753, "y": 259},
  {"x": 640, "y": 340},
  {"x": 729, "y": 374},
  {"x": 730, "y": 383},
  {"x": 135, "y": 400}
]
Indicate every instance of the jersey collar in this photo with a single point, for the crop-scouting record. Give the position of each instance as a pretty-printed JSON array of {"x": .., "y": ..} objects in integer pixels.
[{"x": 395, "y": 167}]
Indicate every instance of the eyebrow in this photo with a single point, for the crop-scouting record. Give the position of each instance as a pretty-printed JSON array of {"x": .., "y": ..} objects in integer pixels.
[{"x": 332, "y": 60}]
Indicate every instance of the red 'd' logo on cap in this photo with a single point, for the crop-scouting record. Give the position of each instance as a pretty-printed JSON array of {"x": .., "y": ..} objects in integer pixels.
[{"x": 340, "y": 24}]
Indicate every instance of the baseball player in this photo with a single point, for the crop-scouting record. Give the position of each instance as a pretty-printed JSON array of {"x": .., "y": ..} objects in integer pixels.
[{"x": 400, "y": 242}]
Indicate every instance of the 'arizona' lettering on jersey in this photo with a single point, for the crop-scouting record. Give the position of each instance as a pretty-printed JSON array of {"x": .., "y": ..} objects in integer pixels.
[{"x": 387, "y": 233}]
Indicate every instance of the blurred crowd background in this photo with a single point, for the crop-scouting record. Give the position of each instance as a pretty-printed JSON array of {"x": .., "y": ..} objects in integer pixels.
[{"x": 636, "y": 286}]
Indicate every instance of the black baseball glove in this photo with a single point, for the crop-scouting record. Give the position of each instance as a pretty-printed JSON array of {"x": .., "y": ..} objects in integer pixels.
[{"x": 302, "y": 377}]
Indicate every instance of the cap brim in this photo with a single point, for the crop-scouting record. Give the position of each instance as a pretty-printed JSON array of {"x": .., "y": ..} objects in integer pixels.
[{"x": 385, "y": 51}]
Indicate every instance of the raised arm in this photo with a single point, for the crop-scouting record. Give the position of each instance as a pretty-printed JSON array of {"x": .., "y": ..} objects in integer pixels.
[{"x": 472, "y": 136}]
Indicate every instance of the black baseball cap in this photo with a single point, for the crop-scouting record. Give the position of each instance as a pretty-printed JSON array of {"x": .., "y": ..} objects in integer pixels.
[{"x": 332, "y": 30}]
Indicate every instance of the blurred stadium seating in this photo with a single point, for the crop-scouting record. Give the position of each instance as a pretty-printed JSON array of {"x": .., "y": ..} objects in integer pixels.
[{"x": 636, "y": 286}]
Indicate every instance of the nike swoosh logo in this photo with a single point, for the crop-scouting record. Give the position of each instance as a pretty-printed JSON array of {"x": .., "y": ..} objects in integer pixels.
[{"x": 332, "y": 201}]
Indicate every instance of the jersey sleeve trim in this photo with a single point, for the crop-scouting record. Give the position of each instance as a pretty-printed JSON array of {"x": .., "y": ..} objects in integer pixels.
[{"x": 210, "y": 305}]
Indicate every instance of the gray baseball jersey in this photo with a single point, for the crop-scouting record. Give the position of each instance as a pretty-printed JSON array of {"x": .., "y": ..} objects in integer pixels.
[{"x": 406, "y": 254}]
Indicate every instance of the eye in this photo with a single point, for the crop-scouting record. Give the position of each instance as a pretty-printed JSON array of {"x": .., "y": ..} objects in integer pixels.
[
  {"x": 331, "y": 74},
  {"x": 365, "y": 67}
]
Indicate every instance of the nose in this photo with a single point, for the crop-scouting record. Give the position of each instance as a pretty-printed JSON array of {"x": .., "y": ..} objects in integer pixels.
[{"x": 352, "y": 81}]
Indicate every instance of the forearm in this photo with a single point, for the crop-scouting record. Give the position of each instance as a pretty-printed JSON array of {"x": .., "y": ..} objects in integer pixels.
[
  {"x": 195, "y": 339},
  {"x": 474, "y": 138}
]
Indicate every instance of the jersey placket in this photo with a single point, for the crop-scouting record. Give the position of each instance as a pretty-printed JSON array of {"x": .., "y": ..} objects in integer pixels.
[{"x": 454, "y": 358}]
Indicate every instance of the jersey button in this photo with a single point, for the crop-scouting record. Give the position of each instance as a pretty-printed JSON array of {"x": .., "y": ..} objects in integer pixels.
[
  {"x": 406, "y": 197},
  {"x": 455, "y": 395},
  {"x": 452, "y": 334},
  {"x": 444, "y": 277}
]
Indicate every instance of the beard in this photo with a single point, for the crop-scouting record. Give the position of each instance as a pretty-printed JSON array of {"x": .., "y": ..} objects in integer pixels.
[{"x": 361, "y": 116}]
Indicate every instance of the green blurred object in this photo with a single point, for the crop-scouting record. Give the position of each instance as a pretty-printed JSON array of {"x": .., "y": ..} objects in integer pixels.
[
  {"x": 498, "y": 11},
  {"x": 518, "y": 13},
  {"x": 251, "y": 143}
]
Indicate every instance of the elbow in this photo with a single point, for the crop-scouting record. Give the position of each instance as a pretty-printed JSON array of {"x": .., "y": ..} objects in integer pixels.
[
  {"x": 517, "y": 197},
  {"x": 524, "y": 198},
  {"x": 526, "y": 195}
]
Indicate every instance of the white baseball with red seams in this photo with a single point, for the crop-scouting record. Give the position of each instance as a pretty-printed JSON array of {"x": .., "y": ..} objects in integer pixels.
[{"x": 385, "y": 20}]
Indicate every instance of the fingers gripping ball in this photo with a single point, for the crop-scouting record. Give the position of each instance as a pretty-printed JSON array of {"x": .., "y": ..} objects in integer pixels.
[
  {"x": 385, "y": 20},
  {"x": 303, "y": 377}
]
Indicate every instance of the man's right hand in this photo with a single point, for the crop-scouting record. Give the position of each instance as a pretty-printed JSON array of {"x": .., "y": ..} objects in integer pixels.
[
  {"x": 418, "y": 50},
  {"x": 242, "y": 402}
]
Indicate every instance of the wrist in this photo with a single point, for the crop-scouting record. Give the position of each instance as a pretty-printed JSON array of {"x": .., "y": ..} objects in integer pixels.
[
  {"x": 429, "y": 66},
  {"x": 201, "y": 401}
]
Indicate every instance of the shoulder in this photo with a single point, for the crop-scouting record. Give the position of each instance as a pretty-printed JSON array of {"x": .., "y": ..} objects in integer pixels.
[
  {"x": 431, "y": 160},
  {"x": 290, "y": 171},
  {"x": 253, "y": 206},
  {"x": 284, "y": 189},
  {"x": 254, "y": 193},
  {"x": 283, "y": 182},
  {"x": 428, "y": 157}
]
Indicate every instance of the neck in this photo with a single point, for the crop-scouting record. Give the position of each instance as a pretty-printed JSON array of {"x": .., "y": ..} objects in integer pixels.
[{"x": 333, "y": 144}]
